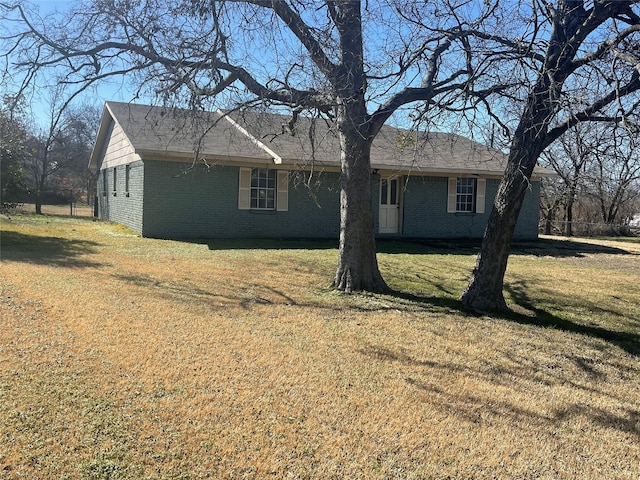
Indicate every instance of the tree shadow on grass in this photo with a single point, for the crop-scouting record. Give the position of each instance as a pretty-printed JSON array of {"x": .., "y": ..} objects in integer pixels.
[
  {"x": 477, "y": 408},
  {"x": 543, "y": 247},
  {"x": 243, "y": 295},
  {"x": 39, "y": 250},
  {"x": 432, "y": 302},
  {"x": 552, "y": 247},
  {"x": 630, "y": 342}
]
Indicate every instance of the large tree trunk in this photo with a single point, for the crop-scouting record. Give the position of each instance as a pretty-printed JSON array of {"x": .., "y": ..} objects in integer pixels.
[
  {"x": 568, "y": 231},
  {"x": 530, "y": 138},
  {"x": 484, "y": 292},
  {"x": 573, "y": 189},
  {"x": 38, "y": 202},
  {"x": 548, "y": 221},
  {"x": 357, "y": 263}
]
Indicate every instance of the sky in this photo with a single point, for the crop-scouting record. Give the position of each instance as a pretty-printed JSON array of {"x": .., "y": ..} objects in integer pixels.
[{"x": 108, "y": 91}]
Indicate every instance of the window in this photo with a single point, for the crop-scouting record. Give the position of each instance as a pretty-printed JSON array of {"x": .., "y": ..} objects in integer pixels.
[
  {"x": 115, "y": 178},
  {"x": 127, "y": 171},
  {"x": 389, "y": 191},
  {"x": 263, "y": 189},
  {"x": 466, "y": 195}
]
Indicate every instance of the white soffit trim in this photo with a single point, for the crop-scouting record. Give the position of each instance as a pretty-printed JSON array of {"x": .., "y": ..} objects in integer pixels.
[{"x": 277, "y": 159}]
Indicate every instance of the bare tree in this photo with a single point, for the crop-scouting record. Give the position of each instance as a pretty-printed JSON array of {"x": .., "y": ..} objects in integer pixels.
[
  {"x": 614, "y": 176},
  {"x": 354, "y": 66},
  {"x": 577, "y": 61},
  {"x": 59, "y": 146},
  {"x": 596, "y": 164},
  {"x": 13, "y": 152},
  {"x": 569, "y": 158},
  {"x": 552, "y": 198},
  {"x": 80, "y": 129}
]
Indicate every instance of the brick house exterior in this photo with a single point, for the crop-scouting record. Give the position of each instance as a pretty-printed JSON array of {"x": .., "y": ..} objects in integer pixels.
[{"x": 169, "y": 173}]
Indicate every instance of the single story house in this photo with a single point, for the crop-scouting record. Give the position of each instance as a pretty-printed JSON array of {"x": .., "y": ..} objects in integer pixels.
[{"x": 172, "y": 173}]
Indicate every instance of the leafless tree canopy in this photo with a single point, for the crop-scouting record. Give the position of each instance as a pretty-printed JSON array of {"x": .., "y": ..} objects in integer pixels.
[{"x": 289, "y": 53}]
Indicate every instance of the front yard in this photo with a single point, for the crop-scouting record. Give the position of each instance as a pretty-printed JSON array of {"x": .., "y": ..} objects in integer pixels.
[{"x": 130, "y": 358}]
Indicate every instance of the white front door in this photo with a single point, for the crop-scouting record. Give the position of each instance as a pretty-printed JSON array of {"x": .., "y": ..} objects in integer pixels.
[{"x": 389, "y": 205}]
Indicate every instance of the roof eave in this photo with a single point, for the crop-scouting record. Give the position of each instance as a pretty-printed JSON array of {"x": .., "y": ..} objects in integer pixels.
[
  {"x": 152, "y": 154},
  {"x": 416, "y": 170}
]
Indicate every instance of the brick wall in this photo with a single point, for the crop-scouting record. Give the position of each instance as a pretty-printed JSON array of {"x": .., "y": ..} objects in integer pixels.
[
  {"x": 203, "y": 203},
  {"x": 425, "y": 211},
  {"x": 122, "y": 205}
]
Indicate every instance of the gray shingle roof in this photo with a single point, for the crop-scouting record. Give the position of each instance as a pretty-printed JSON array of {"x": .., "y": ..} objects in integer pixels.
[
  {"x": 264, "y": 137},
  {"x": 176, "y": 132}
]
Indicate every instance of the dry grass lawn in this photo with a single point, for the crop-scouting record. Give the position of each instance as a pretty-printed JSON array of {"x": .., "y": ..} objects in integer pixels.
[{"x": 131, "y": 358}]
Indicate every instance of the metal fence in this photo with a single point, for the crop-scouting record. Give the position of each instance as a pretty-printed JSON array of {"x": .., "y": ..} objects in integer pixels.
[{"x": 591, "y": 229}]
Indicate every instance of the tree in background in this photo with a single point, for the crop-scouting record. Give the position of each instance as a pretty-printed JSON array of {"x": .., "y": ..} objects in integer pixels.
[
  {"x": 569, "y": 157},
  {"x": 60, "y": 150},
  {"x": 613, "y": 179},
  {"x": 13, "y": 152},
  {"x": 599, "y": 176},
  {"x": 79, "y": 131},
  {"x": 353, "y": 66},
  {"x": 552, "y": 198}
]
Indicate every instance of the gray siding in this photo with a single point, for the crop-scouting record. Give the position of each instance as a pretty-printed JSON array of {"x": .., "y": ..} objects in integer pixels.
[
  {"x": 203, "y": 203},
  {"x": 119, "y": 205},
  {"x": 527, "y": 226}
]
